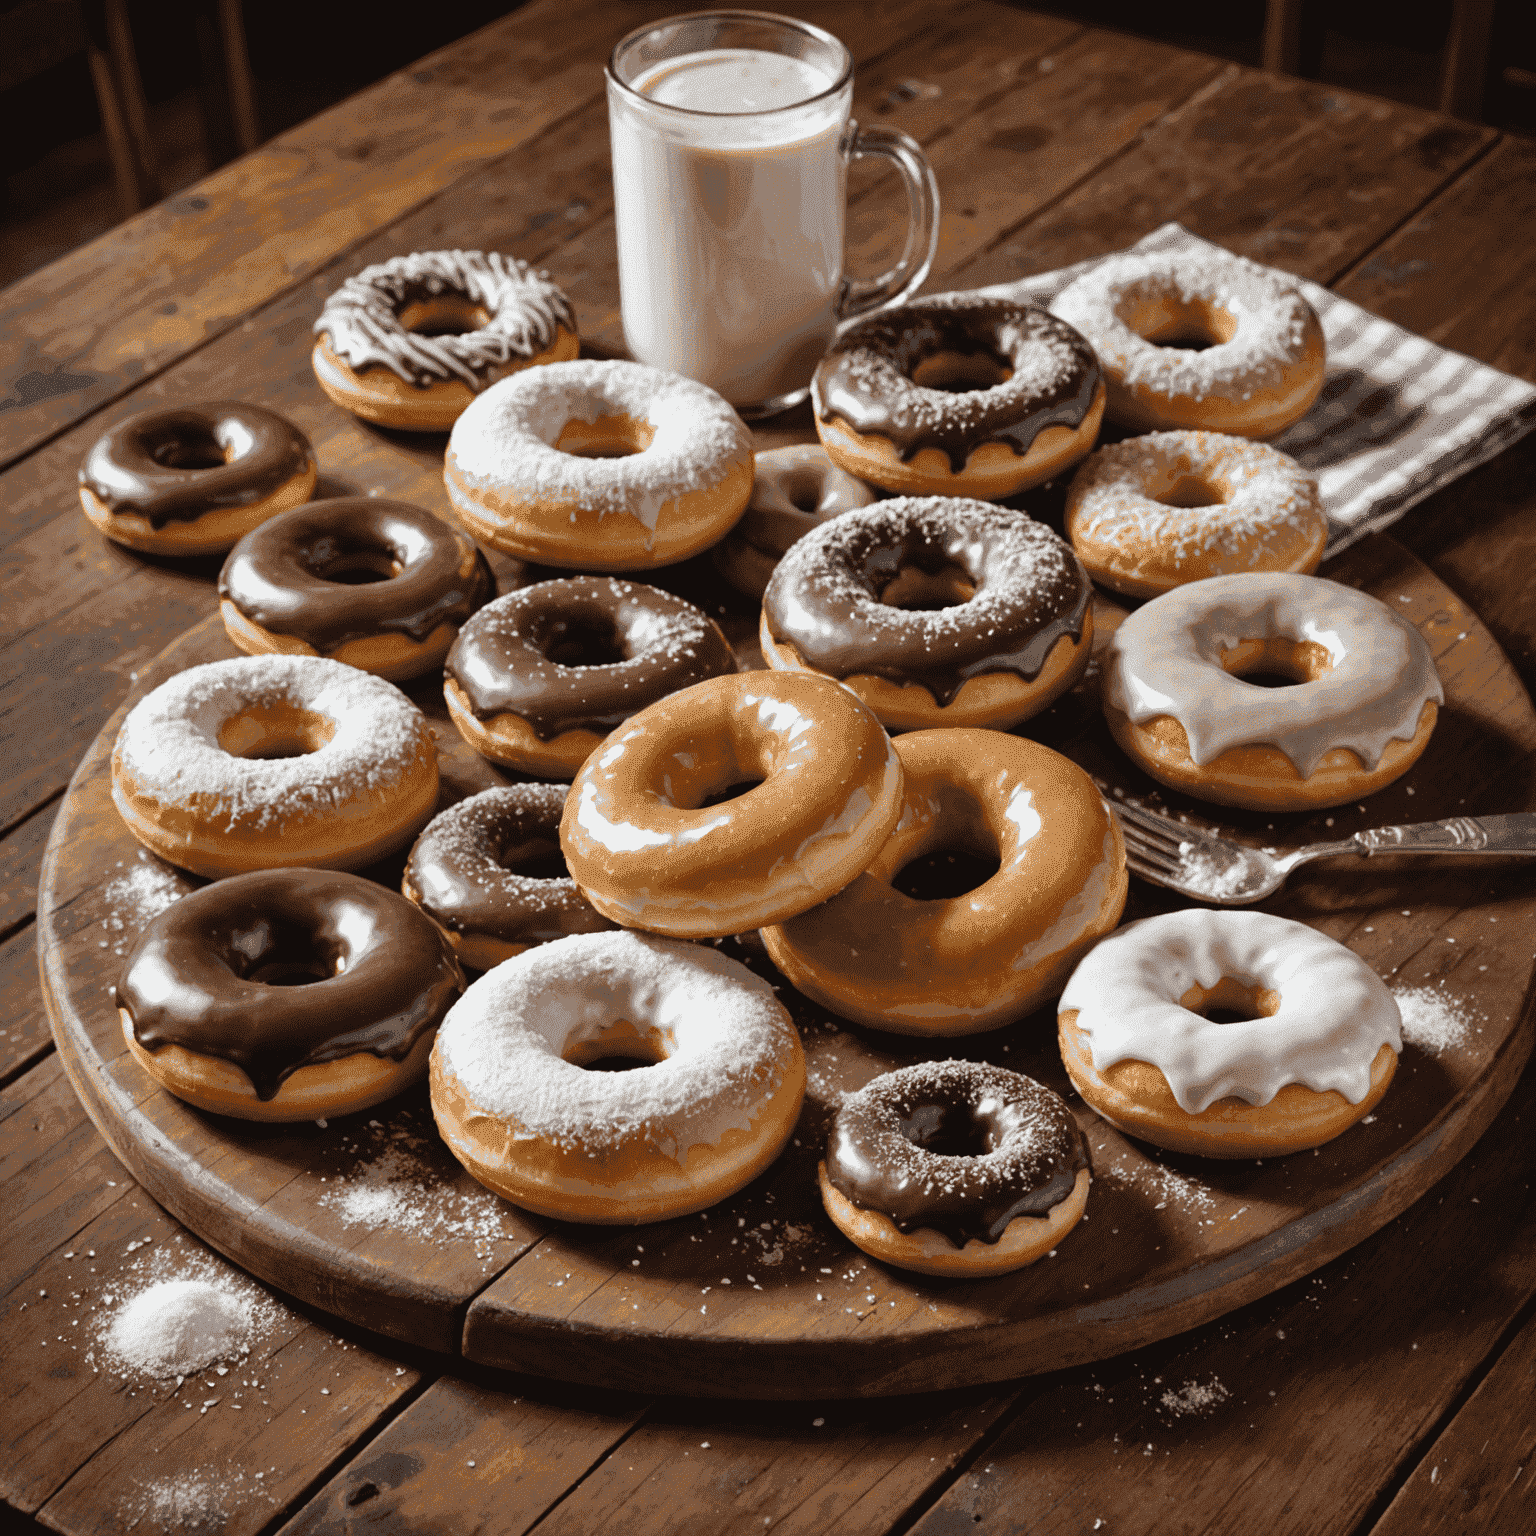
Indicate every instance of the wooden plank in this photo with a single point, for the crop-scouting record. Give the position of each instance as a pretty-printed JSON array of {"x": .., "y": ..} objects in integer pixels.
[
  {"x": 1341, "y": 1374},
  {"x": 24, "y": 1037},
  {"x": 21, "y": 856},
  {"x": 1480, "y": 1474},
  {"x": 464, "y": 1457}
]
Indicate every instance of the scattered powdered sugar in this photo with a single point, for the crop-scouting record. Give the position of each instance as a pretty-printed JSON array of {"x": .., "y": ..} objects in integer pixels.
[
  {"x": 1274, "y": 322},
  {"x": 506, "y": 439},
  {"x": 1206, "y": 871},
  {"x": 1166, "y": 1186},
  {"x": 1194, "y": 1398},
  {"x": 144, "y": 891},
  {"x": 199, "y": 1499},
  {"x": 1433, "y": 1021},
  {"x": 169, "y": 746}
]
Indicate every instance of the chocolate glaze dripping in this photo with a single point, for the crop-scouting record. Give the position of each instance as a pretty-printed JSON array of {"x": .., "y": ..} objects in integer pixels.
[
  {"x": 865, "y": 379},
  {"x": 958, "y": 1147},
  {"x": 157, "y": 463},
  {"x": 276, "y": 575},
  {"x": 524, "y": 654},
  {"x": 825, "y": 596},
  {"x": 218, "y": 972}
]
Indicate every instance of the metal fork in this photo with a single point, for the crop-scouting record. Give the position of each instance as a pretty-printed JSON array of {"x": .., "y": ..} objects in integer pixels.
[{"x": 1214, "y": 869}]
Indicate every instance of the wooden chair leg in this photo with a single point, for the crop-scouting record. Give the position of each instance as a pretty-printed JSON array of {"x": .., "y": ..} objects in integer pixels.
[
  {"x": 120, "y": 96},
  {"x": 237, "y": 70},
  {"x": 1466, "y": 59},
  {"x": 1282, "y": 36},
  {"x": 225, "y": 90}
]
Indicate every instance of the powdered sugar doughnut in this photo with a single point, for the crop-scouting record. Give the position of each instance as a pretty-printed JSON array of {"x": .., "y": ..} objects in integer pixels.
[
  {"x": 1313, "y": 1052},
  {"x": 522, "y": 475},
  {"x": 1152, "y": 513},
  {"x": 713, "y": 1107},
  {"x": 794, "y": 491},
  {"x": 274, "y": 762},
  {"x": 1262, "y": 367}
]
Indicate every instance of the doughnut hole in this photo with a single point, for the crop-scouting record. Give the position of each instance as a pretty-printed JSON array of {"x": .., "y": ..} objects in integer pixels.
[
  {"x": 609, "y": 437},
  {"x": 1278, "y": 662},
  {"x": 617, "y": 1047},
  {"x": 1166, "y": 321},
  {"x": 579, "y": 639},
  {"x": 534, "y": 858},
  {"x": 951, "y": 1130},
  {"x": 803, "y": 488},
  {"x": 946, "y": 851},
  {"x": 444, "y": 314},
  {"x": 193, "y": 447},
  {"x": 959, "y": 373},
  {"x": 271, "y": 731},
  {"x": 1232, "y": 1001},
  {"x": 916, "y": 589},
  {"x": 1193, "y": 491}
]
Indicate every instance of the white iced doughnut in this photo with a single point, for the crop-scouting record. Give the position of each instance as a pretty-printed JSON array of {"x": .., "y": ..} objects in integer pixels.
[
  {"x": 1313, "y": 1055},
  {"x": 1152, "y": 513},
  {"x": 604, "y": 466},
  {"x": 713, "y": 1108},
  {"x": 1366, "y": 698}
]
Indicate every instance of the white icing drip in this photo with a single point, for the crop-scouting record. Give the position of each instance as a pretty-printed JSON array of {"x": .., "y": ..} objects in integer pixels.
[
  {"x": 1335, "y": 1012},
  {"x": 506, "y": 438},
  {"x": 1270, "y": 498},
  {"x": 169, "y": 744},
  {"x": 1274, "y": 323},
  {"x": 781, "y": 473},
  {"x": 526, "y": 311},
  {"x": 1166, "y": 660},
  {"x": 726, "y": 1035}
]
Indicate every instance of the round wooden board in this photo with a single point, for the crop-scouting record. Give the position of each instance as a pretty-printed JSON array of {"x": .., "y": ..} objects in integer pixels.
[{"x": 370, "y": 1219}]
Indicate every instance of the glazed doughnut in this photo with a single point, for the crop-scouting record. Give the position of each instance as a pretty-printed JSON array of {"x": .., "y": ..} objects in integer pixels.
[
  {"x": 996, "y": 953},
  {"x": 539, "y": 677},
  {"x": 488, "y": 871},
  {"x": 647, "y": 848},
  {"x": 272, "y": 762},
  {"x": 958, "y": 395},
  {"x": 411, "y": 341},
  {"x": 955, "y": 1168},
  {"x": 1312, "y": 1050},
  {"x": 1366, "y": 698},
  {"x": 380, "y": 585},
  {"x": 287, "y": 994},
  {"x": 602, "y": 466},
  {"x": 935, "y": 612},
  {"x": 713, "y": 1106},
  {"x": 1152, "y": 513},
  {"x": 794, "y": 490},
  {"x": 1261, "y": 366},
  {"x": 192, "y": 479}
]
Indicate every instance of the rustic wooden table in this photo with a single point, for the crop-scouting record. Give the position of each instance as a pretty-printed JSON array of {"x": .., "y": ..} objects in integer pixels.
[{"x": 1390, "y": 1391}]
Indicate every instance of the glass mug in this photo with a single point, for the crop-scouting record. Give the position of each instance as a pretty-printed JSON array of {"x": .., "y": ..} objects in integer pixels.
[{"x": 731, "y": 136}]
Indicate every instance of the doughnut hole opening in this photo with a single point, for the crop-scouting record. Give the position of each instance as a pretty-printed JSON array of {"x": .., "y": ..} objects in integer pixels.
[
  {"x": 803, "y": 488},
  {"x": 943, "y": 855},
  {"x": 950, "y": 1130},
  {"x": 1232, "y": 1001},
  {"x": 534, "y": 858},
  {"x": 279, "y": 954},
  {"x": 1166, "y": 321},
  {"x": 271, "y": 731},
  {"x": 960, "y": 373},
  {"x": 1277, "y": 662},
  {"x": 616, "y": 1047},
  {"x": 1192, "y": 491},
  {"x": 444, "y": 314},
  {"x": 578, "y": 640},
  {"x": 352, "y": 565},
  {"x": 193, "y": 448},
  {"x": 919, "y": 590},
  {"x": 609, "y": 437}
]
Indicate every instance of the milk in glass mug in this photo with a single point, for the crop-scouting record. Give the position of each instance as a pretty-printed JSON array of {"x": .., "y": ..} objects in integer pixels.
[{"x": 731, "y": 139}]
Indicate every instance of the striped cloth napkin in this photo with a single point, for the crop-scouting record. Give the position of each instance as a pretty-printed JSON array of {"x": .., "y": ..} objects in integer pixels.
[{"x": 1398, "y": 417}]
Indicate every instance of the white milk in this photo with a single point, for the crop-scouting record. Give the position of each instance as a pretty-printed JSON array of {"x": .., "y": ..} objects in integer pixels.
[{"x": 730, "y": 227}]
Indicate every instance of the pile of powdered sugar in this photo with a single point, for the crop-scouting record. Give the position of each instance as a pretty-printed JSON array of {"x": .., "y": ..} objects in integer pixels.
[
  {"x": 1433, "y": 1020},
  {"x": 1194, "y": 1398},
  {"x": 141, "y": 893}
]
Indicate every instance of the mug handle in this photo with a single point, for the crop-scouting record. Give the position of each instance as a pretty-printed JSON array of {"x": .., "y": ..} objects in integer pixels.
[{"x": 861, "y": 294}]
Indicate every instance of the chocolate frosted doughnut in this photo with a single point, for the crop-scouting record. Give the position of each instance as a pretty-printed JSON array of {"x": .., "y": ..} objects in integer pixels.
[
  {"x": 411, "y": 341},
  {"x": 955, "y": 1167},
  {"x": 999, "y": 621},
  {"x": 958, "y": 395},
  {"x": 378, "y": 584},
  {"x": 287, "y": 994},
  {"x": 539, "y": 677},
  {"x": 490, "y": 873},
  {"x": 192, "y": 479}
]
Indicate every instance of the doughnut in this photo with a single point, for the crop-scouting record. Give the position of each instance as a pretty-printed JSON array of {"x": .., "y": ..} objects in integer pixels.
[
  {"x": 935, "y": 612},
  {"x": 1361, "y": 709},
  {"x": 817, "y": 789},
  {"x": 1211, "y": 342},
  {"x": 1152, "y": 513},
  {"x": 272, "y": 762},
  {"x": 954, "y": 1168},
  {"x": 716, "y": 1098},
  {"x": 411, "y": 341},
  {"x": 539, "y": 677},
  {"x": 287, "y": 994},
  {"x": 997, "y": 952},
  {"x": 959, "y": 395},
  {"x": 794, "y": 490},
  {"x": 377, "y": 584},
  {"x": 192, "y": 479},
  {"x": 1311, "y": 1050},
  {"x": 604, "y": 466},
  {"x": 488, "y": 872}
]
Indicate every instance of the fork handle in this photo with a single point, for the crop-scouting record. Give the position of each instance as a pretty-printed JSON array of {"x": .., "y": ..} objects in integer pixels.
[{"x": 1461, "y": 834}]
